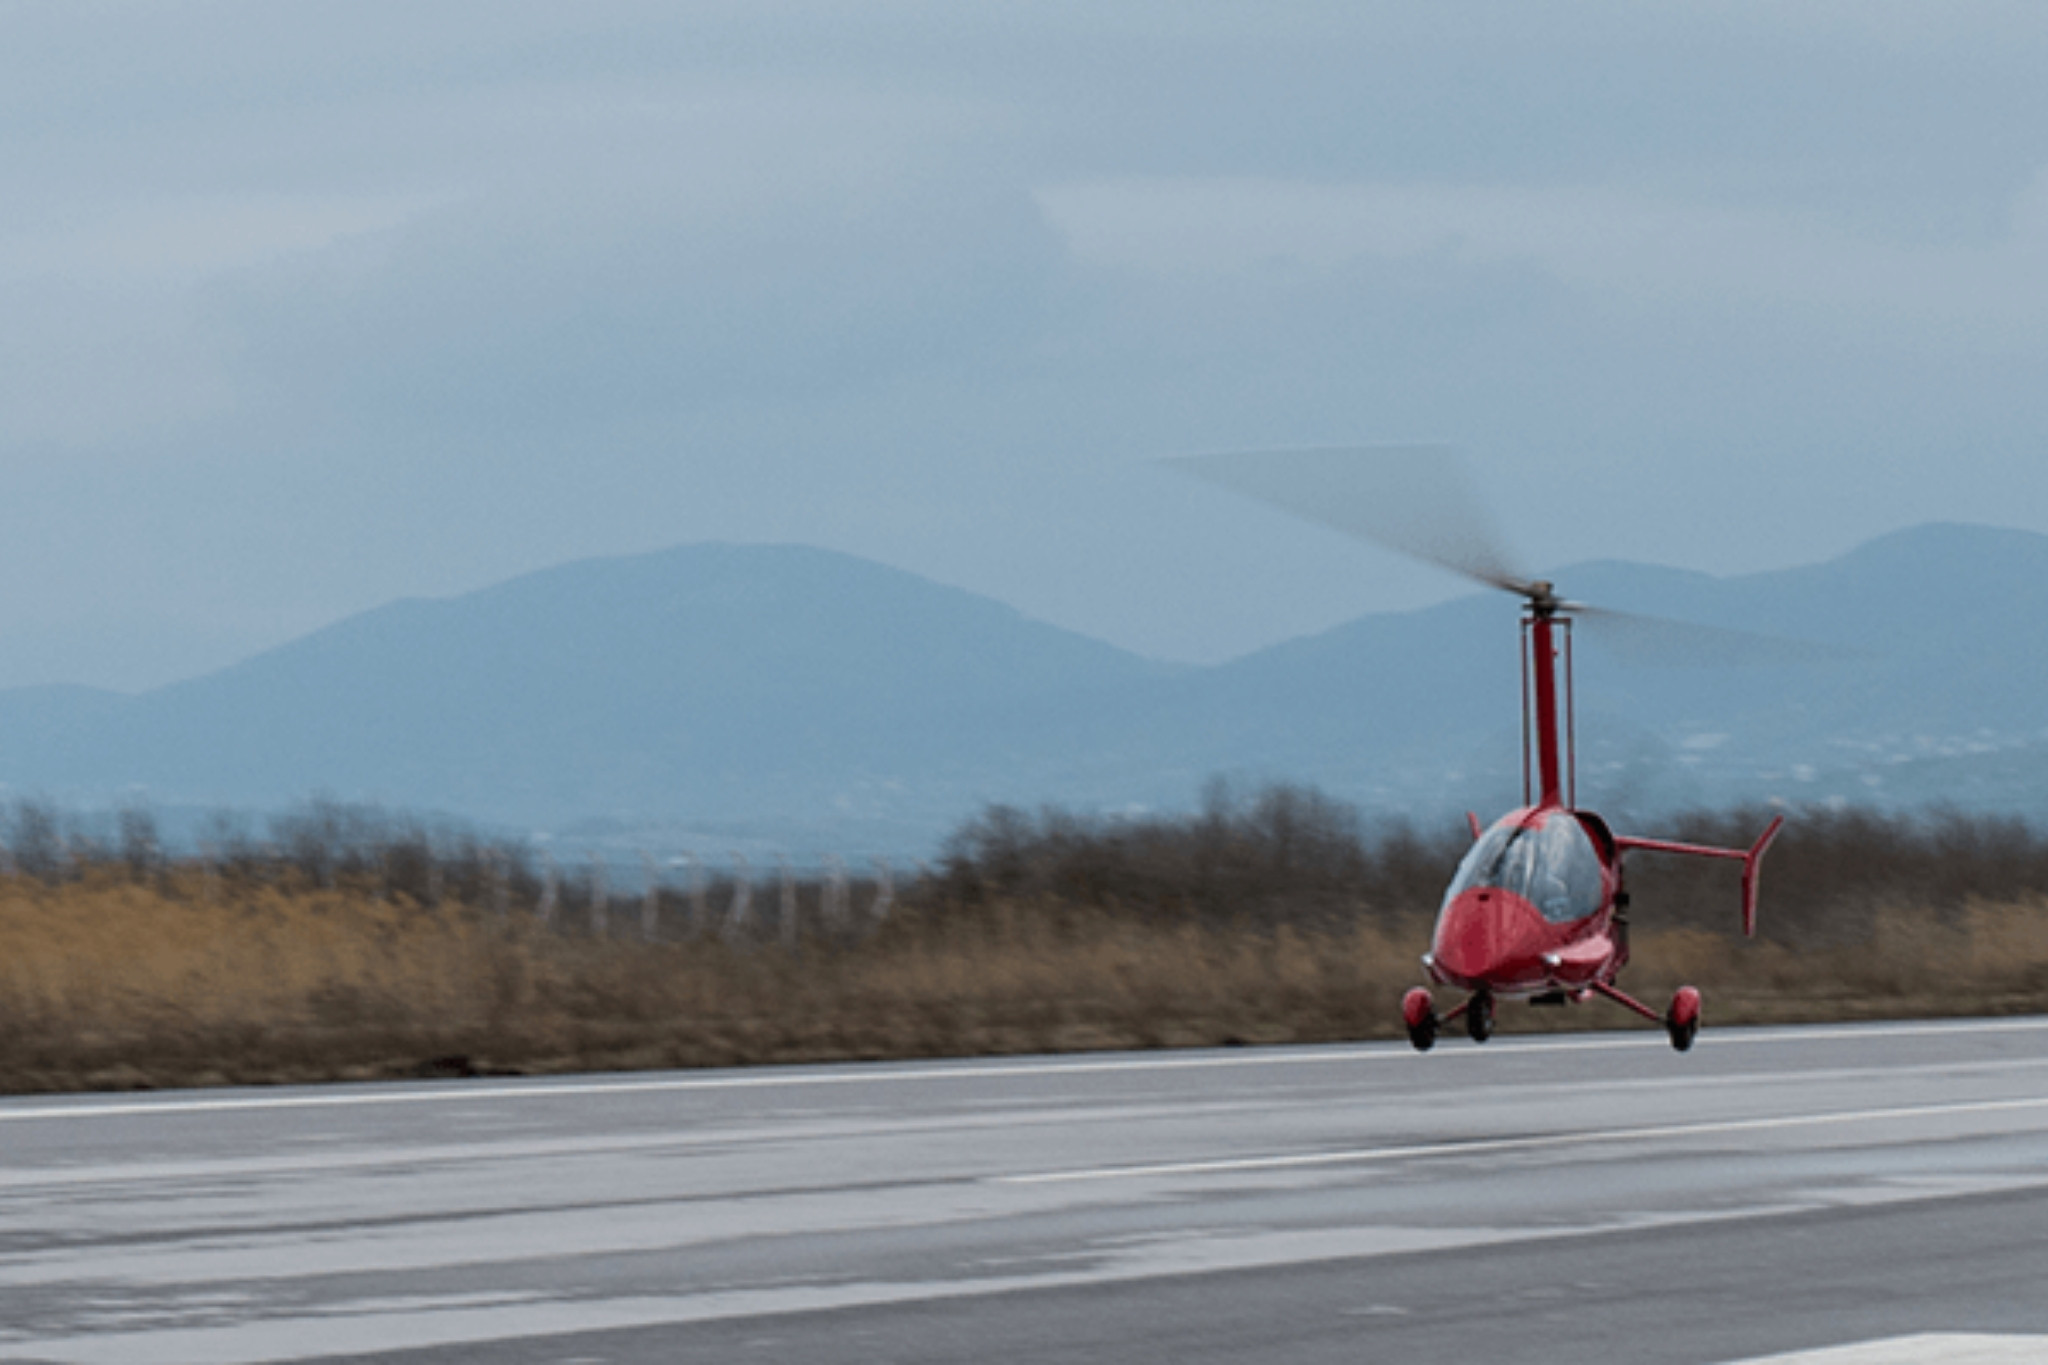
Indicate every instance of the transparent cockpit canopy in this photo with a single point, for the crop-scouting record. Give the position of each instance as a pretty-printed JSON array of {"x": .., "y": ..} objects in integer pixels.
[{"x": 1553, "y": 866}]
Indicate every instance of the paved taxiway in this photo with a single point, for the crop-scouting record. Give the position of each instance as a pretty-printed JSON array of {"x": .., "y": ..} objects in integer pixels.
[{"x": 1596, "y": 1196}]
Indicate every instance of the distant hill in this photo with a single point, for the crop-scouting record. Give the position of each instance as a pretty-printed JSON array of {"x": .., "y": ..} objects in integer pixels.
[
  {"x": 735, "y": 685},
  {"x": 809, "y": 698},
  {"x": 1911, "y": 671}
]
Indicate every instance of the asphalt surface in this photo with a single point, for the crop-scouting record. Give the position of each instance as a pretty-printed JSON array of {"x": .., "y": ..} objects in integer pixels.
[{"x": 1596, "y": 1197}]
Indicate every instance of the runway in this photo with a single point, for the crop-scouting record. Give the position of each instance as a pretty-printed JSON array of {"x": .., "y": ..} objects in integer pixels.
[{"x": 1869, "y": 1193}]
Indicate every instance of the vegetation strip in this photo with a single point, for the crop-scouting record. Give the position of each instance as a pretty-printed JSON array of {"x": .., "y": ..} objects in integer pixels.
[{"x": 348, "y": 950}]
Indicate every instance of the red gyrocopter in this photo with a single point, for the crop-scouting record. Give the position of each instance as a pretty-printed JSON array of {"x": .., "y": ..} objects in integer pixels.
[{"x": 1538, "y": 908}]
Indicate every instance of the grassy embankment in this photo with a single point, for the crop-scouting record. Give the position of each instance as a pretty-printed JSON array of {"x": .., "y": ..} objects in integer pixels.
[{"x": 1271, "y": 922}]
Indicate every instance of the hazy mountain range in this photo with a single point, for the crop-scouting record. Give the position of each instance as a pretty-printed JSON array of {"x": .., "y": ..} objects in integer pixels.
[{"x": 792, "y": 695}]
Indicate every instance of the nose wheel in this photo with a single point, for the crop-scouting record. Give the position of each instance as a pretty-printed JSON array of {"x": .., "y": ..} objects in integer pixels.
[
  {"x": 1479, "y": 1017},
  {"x": 1418, "y": 1012}
]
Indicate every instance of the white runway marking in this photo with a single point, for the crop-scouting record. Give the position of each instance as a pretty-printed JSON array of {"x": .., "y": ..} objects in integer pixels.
[
  {"x": 1946, "y": 1348},
  {"x": 801, "y": 1190},
  {"x": 347, "y": 1096},
  {"x": 269, "y": 1340},
  {"x": 1487, "y": 1146}
]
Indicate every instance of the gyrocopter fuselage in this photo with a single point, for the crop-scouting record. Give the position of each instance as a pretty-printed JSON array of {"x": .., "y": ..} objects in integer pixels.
[{"x": 1537, "y": 909}]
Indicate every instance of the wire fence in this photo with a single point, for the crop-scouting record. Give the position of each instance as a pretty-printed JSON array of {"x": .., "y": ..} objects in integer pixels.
[
  {"x": 656, "y": 894},
  {"x": 1282, "y": 856}
]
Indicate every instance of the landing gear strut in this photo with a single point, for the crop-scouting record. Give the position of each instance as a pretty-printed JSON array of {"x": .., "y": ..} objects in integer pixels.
[{"x": 1681, "y": 1021}]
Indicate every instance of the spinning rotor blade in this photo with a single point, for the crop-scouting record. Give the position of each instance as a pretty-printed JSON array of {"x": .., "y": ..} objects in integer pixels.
[
  {"x": 1663, "y": 642},
  {"x": 1416, "y": 499},
  {"x": 1409, "y": 498}
]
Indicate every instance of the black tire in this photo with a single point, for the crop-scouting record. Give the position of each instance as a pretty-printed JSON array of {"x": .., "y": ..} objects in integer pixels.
[
  {"x": 1423, "y": 1035},
  {"x": 1683, "y": 1034},
  {"x": 1479, "y": 1017}
]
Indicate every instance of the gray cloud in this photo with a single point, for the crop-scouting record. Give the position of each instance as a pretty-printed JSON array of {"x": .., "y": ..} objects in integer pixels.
[
  {"x": 572, "y": 306},
  {"x": 304, "y": 309}
]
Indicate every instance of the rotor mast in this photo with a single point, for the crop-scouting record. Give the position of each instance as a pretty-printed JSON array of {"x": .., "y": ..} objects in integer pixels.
[{"x": 1543, "y": 628}]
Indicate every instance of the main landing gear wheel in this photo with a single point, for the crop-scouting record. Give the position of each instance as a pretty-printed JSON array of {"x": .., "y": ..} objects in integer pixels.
[
  {"x": 1418, "y": 1012},
  {"x": 1479, "y": 1017},
  {"x": 1683, "y": 1022}
]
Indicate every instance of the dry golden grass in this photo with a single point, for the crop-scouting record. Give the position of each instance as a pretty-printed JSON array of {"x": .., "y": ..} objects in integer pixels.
[
  {"x": 1991, "y": 958},
  {"x": 110, "y": 981}
]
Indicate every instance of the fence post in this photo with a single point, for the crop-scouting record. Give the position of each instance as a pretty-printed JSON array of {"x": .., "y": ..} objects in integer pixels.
[
  {"x": 501, "y": 885},
  {"x": 650, "y": 904},
  {"x": 600, "y": 896},
  {"x": 700, "y": 912},
  {"x": 885, "y": 890},
  {"x": 742, "y": 894},
  {"x": 788, "y": 903},
  {"x": 837, "y": 902},
  {"x": 550, "y": 889}
]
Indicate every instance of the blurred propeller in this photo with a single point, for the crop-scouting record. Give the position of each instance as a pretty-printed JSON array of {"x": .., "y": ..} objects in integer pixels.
[
  {"x": 1416, "y": 499},
  {"x": 1661, "y": 642}
]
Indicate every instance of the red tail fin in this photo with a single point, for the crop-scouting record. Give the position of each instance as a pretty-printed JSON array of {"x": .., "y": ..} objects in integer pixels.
[{"x": 1750, "y": 861}]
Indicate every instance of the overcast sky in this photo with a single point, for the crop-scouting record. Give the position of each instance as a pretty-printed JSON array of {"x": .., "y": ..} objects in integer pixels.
[{"x": 304, "y": 308}]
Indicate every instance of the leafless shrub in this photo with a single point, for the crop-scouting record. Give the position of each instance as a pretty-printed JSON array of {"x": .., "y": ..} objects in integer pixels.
[
  {"x": 1832, "y": 875},
  {"x": 1285, "y": 856},
  {"x": 36, "y": 840},
  {"x": 350, "y": 944},
  {"x": 141, "y": 849}
]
